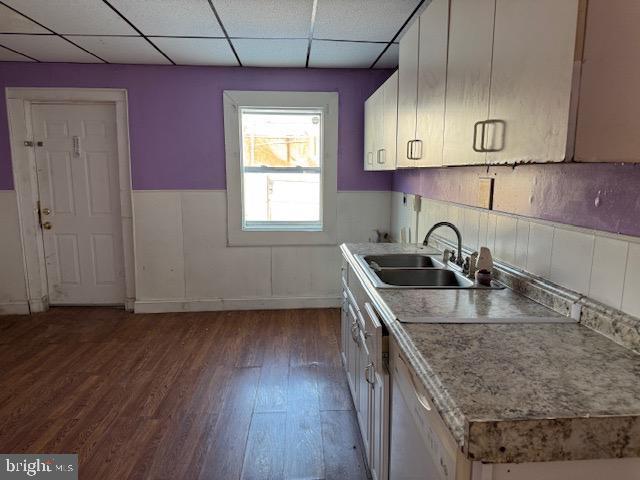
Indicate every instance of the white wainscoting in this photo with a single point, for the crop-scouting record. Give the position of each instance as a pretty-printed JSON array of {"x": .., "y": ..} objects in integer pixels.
[
  {"x": 601, "y": 265},
  {"x": 13, "y": 291},
  {"x": 183, "y": 262}
]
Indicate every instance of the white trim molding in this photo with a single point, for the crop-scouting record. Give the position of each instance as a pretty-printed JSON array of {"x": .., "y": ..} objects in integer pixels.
[
  {"x": 19, "y": 102},
  {"x": 224, "y": 304},
  {"x": 328, "y": 102}
]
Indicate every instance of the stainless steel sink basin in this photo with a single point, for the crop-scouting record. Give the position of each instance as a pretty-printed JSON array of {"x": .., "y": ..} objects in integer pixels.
[
  {"x": 402, "y": 260},
  {"x": 424, "y": 278},
  {"x": 415, "y": 270}
]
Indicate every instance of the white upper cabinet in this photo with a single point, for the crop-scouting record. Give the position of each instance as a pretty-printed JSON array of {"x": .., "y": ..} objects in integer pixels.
[
  {"x": 432, "y": 78},
  {"x": 421, "y": 88},
  {"x": 407, "y": 93},
  {"x": 380, "y": 126},
  {"x": 468, "y": 80},
  {"x": 608, "y": 121},
  {"x": 387, "y": 160},
  {"x": 368, "y": 132},
  {"x": 531, "y": 81}
]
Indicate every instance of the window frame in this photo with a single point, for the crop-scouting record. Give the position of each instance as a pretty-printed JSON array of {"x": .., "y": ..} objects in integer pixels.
[
  {"x": 274, "y": 225},
  {"x": 233, "y": 102}
]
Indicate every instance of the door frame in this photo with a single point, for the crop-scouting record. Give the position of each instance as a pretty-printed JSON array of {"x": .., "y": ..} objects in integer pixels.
[{"x": 19, "y": 101}]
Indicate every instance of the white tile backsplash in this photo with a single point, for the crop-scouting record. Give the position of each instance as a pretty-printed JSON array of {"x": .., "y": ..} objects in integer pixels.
[
  {"x": 505, "y": 239},
  {"x": 491, "y": 231},
  {"x": 608, "y": 270},
  {"x": 483, "y": 228},
  {"x": 631, "y": 295},
  {"x": 539, "y": 249},
  {"x": 601, "y": 265},
  {"x": 571, "y": 259},
  {"x": 470, "y": 228},
  {"x": 522, "y": 243}
]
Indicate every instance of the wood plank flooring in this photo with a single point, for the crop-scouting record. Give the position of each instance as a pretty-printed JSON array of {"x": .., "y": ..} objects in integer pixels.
[{"x": 215, "y": 395}]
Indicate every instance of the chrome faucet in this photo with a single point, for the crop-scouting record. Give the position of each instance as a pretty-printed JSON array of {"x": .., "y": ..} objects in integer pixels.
[{"x": 457, "y": 260}]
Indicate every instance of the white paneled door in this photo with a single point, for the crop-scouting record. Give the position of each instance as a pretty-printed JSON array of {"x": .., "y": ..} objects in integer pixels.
[{"x": 77, "y": 170}]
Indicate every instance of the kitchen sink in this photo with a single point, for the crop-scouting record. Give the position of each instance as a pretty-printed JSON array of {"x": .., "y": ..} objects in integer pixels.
[
  {"x": 402, "y": 260},
  {"x": 424, "y": 278},
  {"x": 415, "y": 270}
]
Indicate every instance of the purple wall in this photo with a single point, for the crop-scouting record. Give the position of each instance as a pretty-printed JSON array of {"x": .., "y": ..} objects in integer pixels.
[
  {"x": 602, "y": 196},
  {"x": 176, "y": 118}
]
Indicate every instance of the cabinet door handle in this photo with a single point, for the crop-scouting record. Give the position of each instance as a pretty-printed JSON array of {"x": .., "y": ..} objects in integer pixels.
[
  {"x": 419, "y": 156},
  {"x": 501, "y": 129},
  {"x": 409, "y": 149},
  {"x": 481, "y": 123},
  {"x": 381, "y": 151},
  {"x": 366, "y": 374},
  {"x": 354, "y": 328}
]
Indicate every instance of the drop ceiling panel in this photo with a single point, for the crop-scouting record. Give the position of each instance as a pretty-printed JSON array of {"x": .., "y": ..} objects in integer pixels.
[
  {"x": 47, "y": 48},
  {"x": 389, "y": 58},
  {"x": 12, "y": 22},
  {"x": 271, "y": 53},
  {"x": 343, "y": 54},
  {"x": 121, "y": 49},
  {"x": 368, "y": 20},
  {"x": 197, "y": 51},
  {"x": 91, "y": 17},
  {"x": 265, "y": 19},
  {"x": 171, "y": 17},
  {"x": 9, "y": 56}
]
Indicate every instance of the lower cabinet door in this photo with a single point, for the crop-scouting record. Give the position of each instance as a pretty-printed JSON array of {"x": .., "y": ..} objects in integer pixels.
[
  {"x": 345, "y": 325},
  {"x": 352, "y": 355},
  {"x": 365, "y": 395},
  {"x": 379, "y": 447}
]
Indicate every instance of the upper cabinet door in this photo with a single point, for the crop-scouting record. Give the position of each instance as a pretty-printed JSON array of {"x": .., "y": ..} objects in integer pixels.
[
  {"x": 390, "y": 115},
  {"x": 369, "y": 133},
  {"x": 468, "y": 80},
  {"x": 432, "y": 78},
  {"x": 378, "y": 128},
  {"x": 531, "y": 80},
  {"x": 407, "y": 94}
]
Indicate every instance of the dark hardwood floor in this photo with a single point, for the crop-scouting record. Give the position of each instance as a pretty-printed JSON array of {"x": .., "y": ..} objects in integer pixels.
[{"x": 224, "y": 395}]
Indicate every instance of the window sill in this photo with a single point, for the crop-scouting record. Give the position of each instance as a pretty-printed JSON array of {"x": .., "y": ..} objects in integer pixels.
[{"x": 272, "y": 238}]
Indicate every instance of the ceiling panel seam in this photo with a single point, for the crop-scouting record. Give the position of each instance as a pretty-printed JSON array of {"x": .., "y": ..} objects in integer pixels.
[
  {"x": 224, "y": 30},
  {"x": 19, "y": 53},
  {"x": 130, "y": 23},
  {"x": 53, "y": 32},
  {"x": 314, "y": 9},
  {"x": 406, "y": 22}
]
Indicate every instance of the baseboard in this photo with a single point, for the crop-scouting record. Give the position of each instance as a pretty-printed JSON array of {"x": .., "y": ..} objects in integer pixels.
[
  {"x": 14, "y": 308},
  {"x": 221, "y": 304}
]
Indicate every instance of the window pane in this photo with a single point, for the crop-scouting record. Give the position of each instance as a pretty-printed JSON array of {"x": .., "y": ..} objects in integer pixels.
[{"x": 281, "y": 168}]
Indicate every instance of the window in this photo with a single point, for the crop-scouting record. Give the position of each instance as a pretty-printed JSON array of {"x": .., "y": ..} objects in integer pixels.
[
  {"x": 281, "y": 161},
  {"x": 281, "y": 153}
]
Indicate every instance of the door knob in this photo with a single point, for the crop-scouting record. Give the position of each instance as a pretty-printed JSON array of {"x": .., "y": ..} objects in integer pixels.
[{"x": 47, "y": 225}]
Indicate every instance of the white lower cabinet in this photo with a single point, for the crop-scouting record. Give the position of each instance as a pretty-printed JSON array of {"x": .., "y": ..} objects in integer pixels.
[{"x": 364, "y": 356}]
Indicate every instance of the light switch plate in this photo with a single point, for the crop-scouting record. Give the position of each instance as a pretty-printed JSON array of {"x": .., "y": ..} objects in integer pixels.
[{"x": 485, "y": 193}]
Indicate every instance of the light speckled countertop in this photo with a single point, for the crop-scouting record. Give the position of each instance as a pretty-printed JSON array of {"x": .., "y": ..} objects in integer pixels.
[{"x": 514, "y": 392}]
